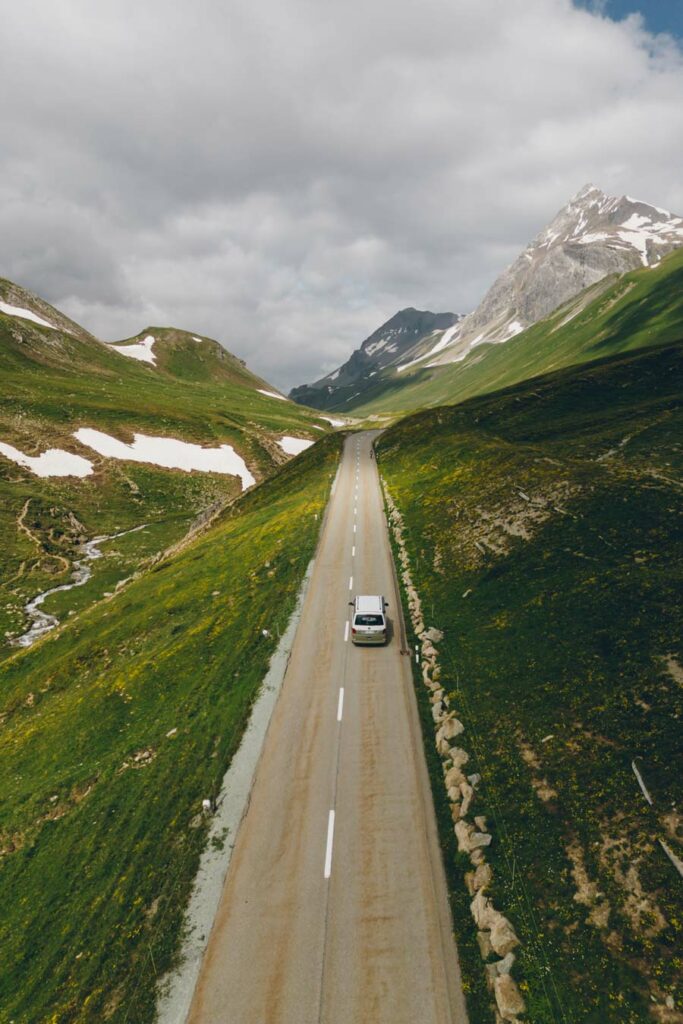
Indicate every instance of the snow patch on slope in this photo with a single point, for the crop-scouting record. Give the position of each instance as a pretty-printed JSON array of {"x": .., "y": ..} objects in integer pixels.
[
  {"x": 514, "y": 328},
  {"x": 375, "y": 346},
  {"x": 639, "y": 229},
  {"x": 142, "y": 351},
  {"x": 169, "y": 453},
  {"x": 272, "y": 394},
  {"x": 25, "y": 314},
  {"x": 294, "y": 445},
  {"x": 448, "y": 337},
  {"x": 53, "y": 462}
]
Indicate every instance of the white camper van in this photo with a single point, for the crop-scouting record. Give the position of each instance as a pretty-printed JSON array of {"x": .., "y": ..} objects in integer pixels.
[{"x": 369, "y": 623}]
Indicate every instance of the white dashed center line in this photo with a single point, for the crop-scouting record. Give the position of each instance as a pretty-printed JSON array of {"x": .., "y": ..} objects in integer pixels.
[
  {"x": 354, "y": 527},
  {"x": 328, "y": 850},
  {"x": 353, "y": 551},
  {"x": 350, "y": 582},
  {"x": 346, "y": 631},
  {"x": 340, "y": 705}
]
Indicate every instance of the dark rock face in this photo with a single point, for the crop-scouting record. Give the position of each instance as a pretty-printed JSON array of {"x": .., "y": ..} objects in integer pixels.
[{"x": 392, "y": 343}]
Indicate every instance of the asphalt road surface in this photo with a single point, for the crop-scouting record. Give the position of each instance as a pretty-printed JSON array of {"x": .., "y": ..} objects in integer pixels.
[{"x": 334, "y": 909}]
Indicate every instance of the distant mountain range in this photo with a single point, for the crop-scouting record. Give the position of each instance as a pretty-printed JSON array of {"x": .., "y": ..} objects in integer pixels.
[{"x": 592, "y": 239}]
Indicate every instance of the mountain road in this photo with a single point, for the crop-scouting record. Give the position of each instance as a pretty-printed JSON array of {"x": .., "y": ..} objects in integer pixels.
[{"x": 335, "y": 908}]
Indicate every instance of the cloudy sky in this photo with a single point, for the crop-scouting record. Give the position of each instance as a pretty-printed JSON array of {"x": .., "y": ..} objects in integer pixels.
[{"x": 286, "y": 175}]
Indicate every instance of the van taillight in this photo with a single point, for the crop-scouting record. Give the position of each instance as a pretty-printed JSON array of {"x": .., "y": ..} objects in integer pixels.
[{"x": 353, "y": 629}]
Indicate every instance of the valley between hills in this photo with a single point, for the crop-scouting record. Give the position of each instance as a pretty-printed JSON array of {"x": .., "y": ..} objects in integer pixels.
[{"x": 532, "y": 496}]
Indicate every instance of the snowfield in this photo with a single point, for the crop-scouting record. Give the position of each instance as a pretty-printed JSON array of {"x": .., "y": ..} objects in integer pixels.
[
  {"x": 272, "y": 394},
  {"x": 444, "y": 341},
  {"x": 446, "y": 338},
  {"x": 413, "y": 362},
  {"x": 639, "y": 229},
  {"x": 169, "y": 453},
  {"x": 294, "y": 445},
  {"x": 53, "y": 462},
  {"x": 25, "y": 314},
  {"x": 142, "y": 351},
  {"x": 335, "y": 423},
  {"x": 514, "y": 328}
]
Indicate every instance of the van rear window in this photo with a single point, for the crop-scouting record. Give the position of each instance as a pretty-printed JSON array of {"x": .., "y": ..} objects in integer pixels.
[{"x": 369, "y": 620}]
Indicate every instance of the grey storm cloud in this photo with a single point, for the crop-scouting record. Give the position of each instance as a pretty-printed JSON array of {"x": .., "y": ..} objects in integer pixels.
[{"x": 284, "y": 176}]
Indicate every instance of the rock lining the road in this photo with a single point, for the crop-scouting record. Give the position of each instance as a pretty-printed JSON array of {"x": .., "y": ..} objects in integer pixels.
[{"x": 496, "y": 935}]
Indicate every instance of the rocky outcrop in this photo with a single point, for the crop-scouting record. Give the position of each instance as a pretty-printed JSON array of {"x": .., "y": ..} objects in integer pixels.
[
  {"x": 495, "y": 934},
  {"x": 508, "y": 998}
]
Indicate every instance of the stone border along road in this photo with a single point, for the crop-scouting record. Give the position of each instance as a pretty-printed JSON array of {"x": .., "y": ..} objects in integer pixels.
[
  {"x": 335, "y": 907},
  {"x": 495, "y": 934}
]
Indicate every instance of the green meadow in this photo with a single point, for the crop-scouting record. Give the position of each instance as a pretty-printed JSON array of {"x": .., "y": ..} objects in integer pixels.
[{"x": 543, "y": 525}]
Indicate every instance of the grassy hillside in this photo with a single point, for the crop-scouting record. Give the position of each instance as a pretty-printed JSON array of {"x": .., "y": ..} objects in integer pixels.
[
  {"x": 113, "y": 730},
  {"x": 641, "y": 308},
  {"x": 543, "y": 524},
  {"x": 52, "y": 382}
]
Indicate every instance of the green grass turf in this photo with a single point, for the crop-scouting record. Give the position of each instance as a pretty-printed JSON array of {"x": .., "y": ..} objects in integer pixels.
[{"x": 543, "y": 525}]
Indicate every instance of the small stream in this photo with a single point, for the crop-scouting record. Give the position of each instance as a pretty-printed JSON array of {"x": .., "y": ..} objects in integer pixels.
[{"x": 42, "y": 622}]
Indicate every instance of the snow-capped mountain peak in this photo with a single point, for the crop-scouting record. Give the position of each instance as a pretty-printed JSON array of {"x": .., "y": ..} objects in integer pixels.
[
  {"x": 593, "y": 236},
  {"x": 592, "y": 216}
]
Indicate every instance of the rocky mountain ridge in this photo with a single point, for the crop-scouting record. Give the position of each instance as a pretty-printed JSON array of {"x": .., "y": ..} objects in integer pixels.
[
  {"x": 47, "y": 333},
  {"x": 594, "y": 237},
  {"x": 403, "y": 338},
  {"x": 23, "y": 305}
]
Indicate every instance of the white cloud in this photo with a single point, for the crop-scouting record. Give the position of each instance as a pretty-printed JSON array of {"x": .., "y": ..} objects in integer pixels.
[{"x": 284, "y": 176}]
